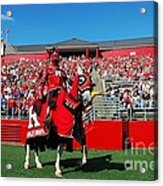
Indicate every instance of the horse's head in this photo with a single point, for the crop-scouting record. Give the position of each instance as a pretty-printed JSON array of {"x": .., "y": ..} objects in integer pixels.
[{"x": 85, "y": 87}]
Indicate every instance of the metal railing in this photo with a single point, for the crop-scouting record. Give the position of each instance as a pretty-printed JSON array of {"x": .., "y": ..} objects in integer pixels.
[
  {"x": 13, "y": 113},
  {"x": 111, "y": 108},
  {"x": 103, "y": 107}
]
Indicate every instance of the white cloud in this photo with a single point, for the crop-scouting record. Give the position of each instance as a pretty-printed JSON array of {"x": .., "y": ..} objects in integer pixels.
[{"x": 6, "y": 18}]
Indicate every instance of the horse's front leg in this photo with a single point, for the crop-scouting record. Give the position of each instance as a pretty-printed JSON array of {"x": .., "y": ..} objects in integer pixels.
[
  {"x": 37, "y": 161},
  {"x": 27, "y": 152},
  {"x": 58, "y": 172},
  {"x": 84, "y": 155}
]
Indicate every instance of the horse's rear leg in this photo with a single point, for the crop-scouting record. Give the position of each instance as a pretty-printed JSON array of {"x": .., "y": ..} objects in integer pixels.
[
  {"x": 37, "y": 161},
  {"x": 27, "y": 151},
  {"x": 58, "y": 172}
]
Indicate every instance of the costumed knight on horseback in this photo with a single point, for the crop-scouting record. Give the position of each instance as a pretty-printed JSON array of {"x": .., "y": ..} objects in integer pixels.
[{"x": 61, "y": 112}]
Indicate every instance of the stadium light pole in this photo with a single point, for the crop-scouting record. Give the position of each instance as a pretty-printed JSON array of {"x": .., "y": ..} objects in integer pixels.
[{"x": 7, "y": 33}]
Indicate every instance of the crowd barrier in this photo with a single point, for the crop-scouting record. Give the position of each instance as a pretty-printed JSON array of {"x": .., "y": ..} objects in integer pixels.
[{"x": 101, "y": 135}]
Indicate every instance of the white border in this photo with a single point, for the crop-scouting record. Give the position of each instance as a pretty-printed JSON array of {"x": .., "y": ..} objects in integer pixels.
[{"x": 52, "y": 182}]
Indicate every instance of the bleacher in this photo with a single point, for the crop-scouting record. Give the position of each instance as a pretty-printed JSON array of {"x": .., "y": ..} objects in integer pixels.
[
  {"x": 110, "y": 109},
  {"x": 113, "y": 74}
]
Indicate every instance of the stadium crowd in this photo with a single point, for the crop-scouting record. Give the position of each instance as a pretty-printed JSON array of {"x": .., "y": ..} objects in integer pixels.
[{"x": 130, "y": 78}]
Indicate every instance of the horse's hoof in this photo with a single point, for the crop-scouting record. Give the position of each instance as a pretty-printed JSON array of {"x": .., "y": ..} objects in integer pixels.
[
  {"x": 84, "y": 162},
  {"x": 39, "y": 166},
  {"x": 26, "y": 165},
  {"x": 58, "y": 174}
]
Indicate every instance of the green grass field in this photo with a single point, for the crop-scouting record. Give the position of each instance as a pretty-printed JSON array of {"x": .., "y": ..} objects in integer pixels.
[{"x": 106, "y": 165}]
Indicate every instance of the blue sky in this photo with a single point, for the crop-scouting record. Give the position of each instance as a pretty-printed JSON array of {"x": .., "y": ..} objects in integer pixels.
[{"x": 50, "y": 23}]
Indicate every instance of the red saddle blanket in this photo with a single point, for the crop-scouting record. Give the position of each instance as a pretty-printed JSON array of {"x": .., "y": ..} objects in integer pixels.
[
  {"x": 36, "y": 123},
  {"x": 63, "y": 116}
]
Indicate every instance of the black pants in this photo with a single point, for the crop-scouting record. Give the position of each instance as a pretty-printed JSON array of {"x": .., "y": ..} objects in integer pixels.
[{"x": 51, "y": 97}]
